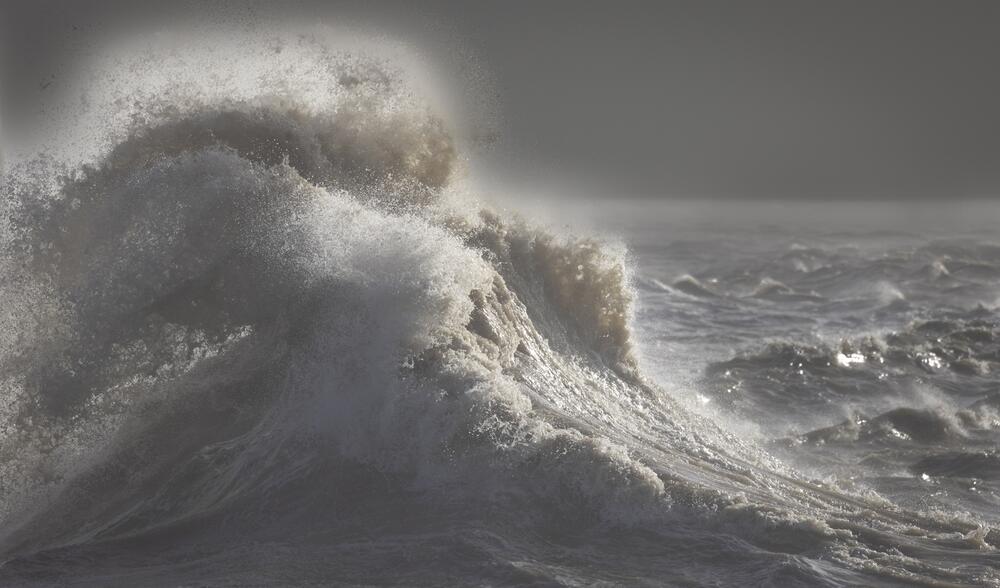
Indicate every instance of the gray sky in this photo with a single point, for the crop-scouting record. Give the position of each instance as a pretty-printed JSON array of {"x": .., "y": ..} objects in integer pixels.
[{"x": 792, "y": 98}]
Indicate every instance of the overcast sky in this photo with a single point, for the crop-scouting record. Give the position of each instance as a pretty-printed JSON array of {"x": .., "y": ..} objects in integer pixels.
[{"x": 798, "y": 98}]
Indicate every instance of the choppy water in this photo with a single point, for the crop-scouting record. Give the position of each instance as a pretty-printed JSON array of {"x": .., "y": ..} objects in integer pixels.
[
  {"x": 260, "y": 329},
  {"x": 866, "y": 357}
]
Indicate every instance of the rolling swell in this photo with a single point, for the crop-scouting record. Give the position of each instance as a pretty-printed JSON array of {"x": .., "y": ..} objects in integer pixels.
[{"x": 258, "y": 329}]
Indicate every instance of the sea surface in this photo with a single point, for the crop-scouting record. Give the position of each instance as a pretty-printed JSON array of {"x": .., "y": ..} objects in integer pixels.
[{"x": 262, "y": 327}]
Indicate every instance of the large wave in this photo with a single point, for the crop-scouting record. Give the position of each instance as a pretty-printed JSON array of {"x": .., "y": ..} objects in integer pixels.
[{"x": 249, "y": 301}]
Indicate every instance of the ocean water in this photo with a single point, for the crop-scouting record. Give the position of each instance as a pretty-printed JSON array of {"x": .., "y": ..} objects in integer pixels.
[{"x": 260, "y": 328}]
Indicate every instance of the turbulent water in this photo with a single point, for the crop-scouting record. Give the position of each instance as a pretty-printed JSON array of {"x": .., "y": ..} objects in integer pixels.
[{"x": 259, "y": 329}]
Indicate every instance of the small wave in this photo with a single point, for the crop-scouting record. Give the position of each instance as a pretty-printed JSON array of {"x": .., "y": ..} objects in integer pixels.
[
  {"x": 771, "y": 289},
  {"x": 925, "y": 426},
  {"x": 981, "y": 465},
  {"x": 693, "y": 287}
]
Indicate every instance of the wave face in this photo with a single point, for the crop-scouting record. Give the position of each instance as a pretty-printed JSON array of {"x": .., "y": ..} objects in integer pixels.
[{"x": 260, "y": 331}]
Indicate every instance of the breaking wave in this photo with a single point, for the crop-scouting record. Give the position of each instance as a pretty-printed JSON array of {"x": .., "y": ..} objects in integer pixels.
[{"x": 254, "y": 315}]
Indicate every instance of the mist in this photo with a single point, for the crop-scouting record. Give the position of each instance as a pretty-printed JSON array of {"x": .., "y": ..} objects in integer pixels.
[{"x": 775, "y": 99}]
